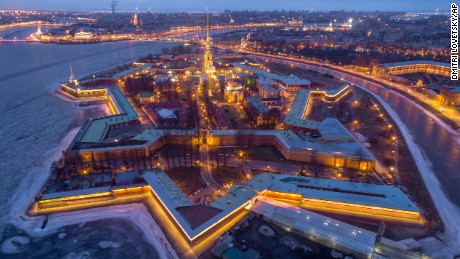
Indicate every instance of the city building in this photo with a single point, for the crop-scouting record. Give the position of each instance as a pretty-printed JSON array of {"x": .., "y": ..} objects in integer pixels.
[
  {"x": 146, "y": 97},
  {"x": 261, "y": 114},
  {"x": 295, "y": 118},
  {"x": 287, "y": 83},
  {"x": 268, "y": 88},
  {"x": 81, "y": 35},
  {"x": 167, "y": 114},
  {"x": 450, "y": 96},
  {"x": 233, "y": 92},
  {"x": 292, "y": 202},
  {"x": 411, "y": 67},
  {"x": 217, "y": 116},
  {"x": 139, "y": 83}
]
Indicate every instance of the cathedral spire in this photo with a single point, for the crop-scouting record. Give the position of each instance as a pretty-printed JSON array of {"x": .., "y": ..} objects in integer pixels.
[
  {"x": 207, "y": 64},
  {"x": 72, "y": 78},
  {"x": 207, "y": 25}
]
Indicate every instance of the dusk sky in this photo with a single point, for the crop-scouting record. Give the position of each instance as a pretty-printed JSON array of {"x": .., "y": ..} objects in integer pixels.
[{"x": 218, "y": 5}]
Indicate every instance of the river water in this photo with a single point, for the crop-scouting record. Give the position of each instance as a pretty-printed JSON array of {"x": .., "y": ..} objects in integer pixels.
[{"x": 33, "y": 119}]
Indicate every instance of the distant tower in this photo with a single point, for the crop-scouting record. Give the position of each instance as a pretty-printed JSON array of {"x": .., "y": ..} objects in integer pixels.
[
  {"x": 420, "y": 82},
  {"x": 330, "y": 27},
  {"x": 135, "y": 20},
  {"x": 113, "y": 5},
  {"x": 207, "y": 64},
  {"x": 72, "y": 78},
  {"x": 245, "y": 41},
  {"x": 39, "y": 30}
]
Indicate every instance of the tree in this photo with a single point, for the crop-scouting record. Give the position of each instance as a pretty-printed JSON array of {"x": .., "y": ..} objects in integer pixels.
[
  {"x": 359, "y": 152},
  {"x": 133, "y": 162},
  {"x": 368, "y": 176},
  {"x": 352, "y": 174},
  {"x": 240, "y": 139},
  {"x": 125, "y": 159},
  {"x": 316, "y": 170},
  {"x": 225, "y": 156},
  {"x": 303, "y": 171},
  {"x": 93, "y": 162},
  {"x": 107, "y": 158},
  {"x": 166, "y": 155}
]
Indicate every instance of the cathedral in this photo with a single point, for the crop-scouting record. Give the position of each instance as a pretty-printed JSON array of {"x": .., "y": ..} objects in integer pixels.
[{"x": 208, "y": 66}]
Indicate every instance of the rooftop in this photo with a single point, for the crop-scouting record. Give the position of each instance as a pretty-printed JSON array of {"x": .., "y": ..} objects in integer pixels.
[
  {"x": 240, "y": 194},
  {"x": 296, "y": 114},
  {"x": 316, "y": 226},
  {"x": 132, "y": 70},
  {"x": 256, "y": 103},
  {"x": 166, "y": 113},
  {"x": 416, "y": 62},
  {"x": 180, "y": 207},
  {"x": 383, "y": 196},
  {"x": 96, "y": 129},
  {"x": 287, "y": 80}
]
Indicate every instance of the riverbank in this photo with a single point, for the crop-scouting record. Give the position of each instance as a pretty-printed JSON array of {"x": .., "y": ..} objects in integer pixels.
[
  {"x": 450, "y": 125},
  {"x": 449, "y": 240},
  {"x": 454, "y": 125}
]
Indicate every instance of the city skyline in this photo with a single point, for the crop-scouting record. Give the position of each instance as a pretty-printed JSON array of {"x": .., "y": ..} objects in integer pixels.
[
  {"x": 156, "y": 129},
  {"x": 168, "y": 6}
]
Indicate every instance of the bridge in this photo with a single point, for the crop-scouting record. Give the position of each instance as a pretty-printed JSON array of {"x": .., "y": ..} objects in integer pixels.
[
  {"x": 31, "y": 23},
  {"x": 176, "y": 34},
  {"x": 13, "y": 40}
]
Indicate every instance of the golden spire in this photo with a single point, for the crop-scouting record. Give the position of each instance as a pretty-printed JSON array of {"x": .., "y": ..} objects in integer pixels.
[{"x": 207, "y": 25}]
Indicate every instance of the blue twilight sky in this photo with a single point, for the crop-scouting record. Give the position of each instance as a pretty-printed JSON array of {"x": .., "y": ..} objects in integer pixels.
[{"x": 218, "y": 5}]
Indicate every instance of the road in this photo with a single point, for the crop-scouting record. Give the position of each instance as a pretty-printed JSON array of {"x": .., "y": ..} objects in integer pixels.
[{"x": 206, "y": 172}]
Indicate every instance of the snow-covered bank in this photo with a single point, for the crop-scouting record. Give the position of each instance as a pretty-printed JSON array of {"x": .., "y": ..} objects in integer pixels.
[
  {"x": 449, "y": 213},
  {"x": 137, "y": 214},
  {"x": 438, "y": 120},
  {"x": 31, "y": 185}
]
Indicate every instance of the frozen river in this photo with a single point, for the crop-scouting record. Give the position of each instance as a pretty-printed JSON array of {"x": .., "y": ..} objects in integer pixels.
[{"x": 33, "y": 119}]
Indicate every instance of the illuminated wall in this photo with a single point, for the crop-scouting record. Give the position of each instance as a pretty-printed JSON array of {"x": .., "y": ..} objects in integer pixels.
[
  {"x": 379, "y": 70},
  {"x": 348, "y": 209}
]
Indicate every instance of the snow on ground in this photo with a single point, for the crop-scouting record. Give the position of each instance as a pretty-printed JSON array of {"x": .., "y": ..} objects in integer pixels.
[
  {"x": 109, "y": 244},
  {"x": 102, "y": 107},
  {"x": 30, "y": 186},
  {"x": 449, "y": 244},
  {"x": 137, "y": 214},
  {"x": 14, "y": 245}
]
